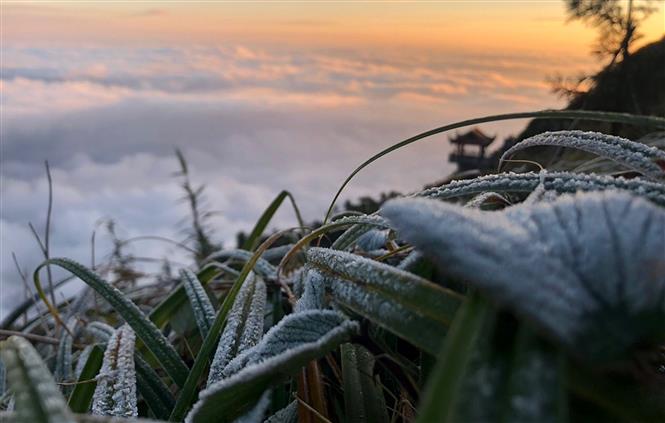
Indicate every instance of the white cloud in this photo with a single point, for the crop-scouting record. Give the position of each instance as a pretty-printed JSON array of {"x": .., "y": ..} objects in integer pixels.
[{"x": 251, "y": 123}]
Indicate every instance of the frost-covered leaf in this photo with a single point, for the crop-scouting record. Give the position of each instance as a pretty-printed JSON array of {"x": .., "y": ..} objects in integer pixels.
[
  {"x": 313, "y": 293},
  {"x": 153, "y": 339},
  {"x": 255, "y": 415},
  {"x": 589, "y": 269},
  {"x": 100, "y": 331},
  {"x": 115, "y": 394},
  {"x": 405, "y": 304},
  {"x": 560, "y": 182},
  {"x": 288, "y": 346},
  {"x": 244, "y": 325},
  {"x": 149, "y": 384},
  {"x": 202, "y": 308},
  {"x": 288, "y": 414},
  {"x": 373, "y": 240},
  {"x": 37, "y": 397},
  {"x": 482, "y": 200},
  {"x": 7, "y": 417},
  {"x": 3, "y": 378},
  {"x": 647, "y": 160},
  {"x": 63, "y": 360}
]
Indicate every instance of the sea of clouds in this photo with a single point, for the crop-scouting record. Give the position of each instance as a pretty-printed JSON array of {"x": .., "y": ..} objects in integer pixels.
[{"x": 251, "y": 122}]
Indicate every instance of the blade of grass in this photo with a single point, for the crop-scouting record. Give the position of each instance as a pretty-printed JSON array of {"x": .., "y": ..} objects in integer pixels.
[
  {"x": 81, "y": 397},
  {"x": 144, "y": 328},
  {"x": 444, "y": 383},
  {"x": 188, "y": 392},
  {"x": 254, "y": 237}
]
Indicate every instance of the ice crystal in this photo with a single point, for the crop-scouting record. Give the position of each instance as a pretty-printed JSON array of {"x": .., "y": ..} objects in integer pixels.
[
  {"x": 288, "y": 414},
  {"x": 115, "y": 393},
  {"x": 35, "y": 392},
  {"x": 204, "y": 313},
  {"x": 244, "y": 325},
  {"x": 100, "y": 331},
  {"x": 286, "y": 347},
  {"x": 313, "y": 296},
  {"x": 63, "y": 362},
  {"x": 560, "y": 182},
  {"x": 374, "y": 239},
  {"x": 589, "y": 269},
  {"x": 642, "y": 158}
]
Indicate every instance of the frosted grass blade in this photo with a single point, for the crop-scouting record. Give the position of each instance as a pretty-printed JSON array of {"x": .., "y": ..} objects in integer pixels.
[{"x": 144, "y": 328}]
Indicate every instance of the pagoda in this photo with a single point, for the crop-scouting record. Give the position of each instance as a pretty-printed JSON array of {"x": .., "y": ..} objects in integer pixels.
[{"x": 474, "y": 158}]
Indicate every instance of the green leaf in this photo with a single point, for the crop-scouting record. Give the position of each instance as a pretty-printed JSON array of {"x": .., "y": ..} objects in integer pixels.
[
  {"x": 153, "y": 390},
  {"x": 649, "y": 161},
  {"x": 363, "y": 400},
  {"x": 204, "y": 313},
  {"x": 443, "y": 387},
  {"x": 37, "y": 396},
  {"x": 405, "y": 304},
  {"x": 254, "y": 237},
  {"x": 144, "y": 328},
  {"x": 81, "y": 397},
  {"x": 296, "y": 340}
]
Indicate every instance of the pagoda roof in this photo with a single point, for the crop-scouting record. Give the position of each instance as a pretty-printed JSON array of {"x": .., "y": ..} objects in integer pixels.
[{"x": 473, "y": 137}]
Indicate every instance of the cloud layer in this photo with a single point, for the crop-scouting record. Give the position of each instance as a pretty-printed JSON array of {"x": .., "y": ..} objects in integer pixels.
[{"x": 250, "y": 121}]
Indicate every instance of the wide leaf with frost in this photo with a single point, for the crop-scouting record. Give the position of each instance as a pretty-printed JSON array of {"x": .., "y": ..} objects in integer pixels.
[
  {"x": 644, "y": 159},
  {"x": 244, "y": 326},
  {"x": 287, "y": 347},
  {"x": 115, "y": 394},
  {"x": 588, "y": 269},
  {"x": 38, "y": 398}
]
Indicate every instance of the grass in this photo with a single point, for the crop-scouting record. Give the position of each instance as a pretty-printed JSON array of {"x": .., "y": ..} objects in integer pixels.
[{"x": 457, "y": 316}]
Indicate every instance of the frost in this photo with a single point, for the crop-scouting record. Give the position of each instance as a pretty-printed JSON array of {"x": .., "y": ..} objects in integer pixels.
[
  {"x": 262, "y": 267},
  {"x": 403, "y": 303},
  {"x": 276, "y": 253},
  {"x": 361, "y": 225},
  {"x": 633, "y": 155},
  {"x": 485, "y": 197},
  {"x": 100, "y": 331},
  {"x": 35, "y": 392},
  {"x": 63, "y": 362},
  {"x": 560, "y": 182},
  {"x": 313, "y": 296},
  {"x": 589, "y": 269},
  {"x": 374, "y": 239},
  {"x": 255, "y": 415},
  {"x": 115, "y": 393},
  {"x": 297, "y": 339},
  {"x": 244, "y": 325},
  {"x": 288, "y": 414},
  {"x": 202, "y": 308},
  {"x": 83, "y": 358}
]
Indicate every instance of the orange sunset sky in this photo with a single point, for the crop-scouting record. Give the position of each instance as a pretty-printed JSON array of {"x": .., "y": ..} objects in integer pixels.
[{"x": 476, "y": 25}]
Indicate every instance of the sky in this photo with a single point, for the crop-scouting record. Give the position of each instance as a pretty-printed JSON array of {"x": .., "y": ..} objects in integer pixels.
[{"x": 260, "y": 97}]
